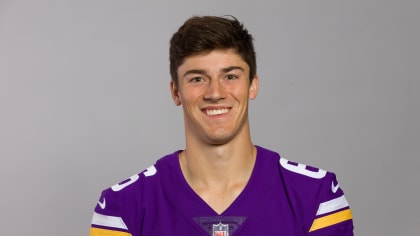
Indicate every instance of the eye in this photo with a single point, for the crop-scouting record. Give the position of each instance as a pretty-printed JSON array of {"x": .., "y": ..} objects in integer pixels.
[
  {"x": 231, "y": 77},
  {"x": 196, "y": 79}
]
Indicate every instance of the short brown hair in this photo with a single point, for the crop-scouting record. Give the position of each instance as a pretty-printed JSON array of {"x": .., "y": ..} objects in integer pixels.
[{"x": 200, "y": 34}]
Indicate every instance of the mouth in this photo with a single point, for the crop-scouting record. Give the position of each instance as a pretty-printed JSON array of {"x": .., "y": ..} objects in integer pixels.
[{"x": 214, "y": 112}]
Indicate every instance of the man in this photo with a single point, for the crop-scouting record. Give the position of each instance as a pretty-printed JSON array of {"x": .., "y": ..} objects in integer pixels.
[{"x": 221, "y": 183}]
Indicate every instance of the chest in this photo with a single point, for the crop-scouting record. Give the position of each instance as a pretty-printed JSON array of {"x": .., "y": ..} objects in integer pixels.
[{"x": 249, "y": 214}]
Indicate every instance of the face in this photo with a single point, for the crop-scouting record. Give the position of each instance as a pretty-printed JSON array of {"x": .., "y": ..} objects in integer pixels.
[{"x": 214, "y": 90}]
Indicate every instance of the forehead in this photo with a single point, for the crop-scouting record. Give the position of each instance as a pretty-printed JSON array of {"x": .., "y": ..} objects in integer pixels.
[{"x": 213, "y": 60}]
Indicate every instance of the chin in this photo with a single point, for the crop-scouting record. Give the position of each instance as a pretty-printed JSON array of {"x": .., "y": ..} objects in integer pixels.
[{"x": 220, "y": 140}]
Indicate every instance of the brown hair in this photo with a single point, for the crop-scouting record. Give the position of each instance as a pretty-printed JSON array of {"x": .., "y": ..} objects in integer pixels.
[{"x": 201, "y": 34}]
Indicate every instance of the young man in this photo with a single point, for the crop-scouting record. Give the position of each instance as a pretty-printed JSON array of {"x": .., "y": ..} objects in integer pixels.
[{"x": 221, "y": 184}]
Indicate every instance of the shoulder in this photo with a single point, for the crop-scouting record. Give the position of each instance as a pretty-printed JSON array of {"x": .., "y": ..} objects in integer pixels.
[
  {"x": 145, "y": 178},
  {"x": 316, "y": 196},
  {"x": 120, "y": 206},
  {"x": 145, "y": 181}
]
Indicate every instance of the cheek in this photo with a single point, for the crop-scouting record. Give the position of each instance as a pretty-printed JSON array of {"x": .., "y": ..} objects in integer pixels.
[
  {"x": 192, "y": 93},
  {"x": 240, "y": 93}
]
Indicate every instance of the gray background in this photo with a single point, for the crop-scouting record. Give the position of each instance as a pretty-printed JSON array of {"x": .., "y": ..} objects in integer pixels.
[{"x": 85, "y": 103}]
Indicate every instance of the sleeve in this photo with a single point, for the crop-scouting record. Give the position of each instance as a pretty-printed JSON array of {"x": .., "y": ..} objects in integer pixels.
[
  {"x": 117, "y": 210},
  {"x": 317, "y": 200},
  {"x": 333, "y": 216}
]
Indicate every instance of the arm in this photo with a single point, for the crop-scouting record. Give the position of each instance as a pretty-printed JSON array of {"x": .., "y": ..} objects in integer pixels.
[{"x": 318, "y": 200}]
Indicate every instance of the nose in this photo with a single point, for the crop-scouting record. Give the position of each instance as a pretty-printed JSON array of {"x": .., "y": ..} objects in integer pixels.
[{"x": 215, "y": 91}]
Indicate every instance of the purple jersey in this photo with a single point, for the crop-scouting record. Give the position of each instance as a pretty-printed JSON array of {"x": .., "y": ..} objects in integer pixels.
[{"x": 281, "y": 198}]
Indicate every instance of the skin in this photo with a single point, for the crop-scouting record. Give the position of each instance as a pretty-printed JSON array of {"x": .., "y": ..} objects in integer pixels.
[{"x": 214, "y": 91}]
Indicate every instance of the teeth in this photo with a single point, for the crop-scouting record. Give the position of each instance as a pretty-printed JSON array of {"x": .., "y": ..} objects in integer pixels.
[{"x": 217, "y": 112}]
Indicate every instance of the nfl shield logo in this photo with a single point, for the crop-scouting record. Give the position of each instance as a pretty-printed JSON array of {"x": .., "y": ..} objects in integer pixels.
[{"x": 221, "y": 229}]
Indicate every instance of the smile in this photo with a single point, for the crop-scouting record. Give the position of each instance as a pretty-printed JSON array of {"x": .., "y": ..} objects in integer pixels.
[{"x": 217, "y": 111}]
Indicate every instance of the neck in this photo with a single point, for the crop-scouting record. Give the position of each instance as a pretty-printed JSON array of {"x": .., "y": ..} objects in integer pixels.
[
  {"x": 227, "y": 164},
  {"x": 218, "y": 172}
]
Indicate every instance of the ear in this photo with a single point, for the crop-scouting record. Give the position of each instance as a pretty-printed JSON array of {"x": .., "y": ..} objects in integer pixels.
[
  {"x": 174, "y": 93},
  {"x": 253, "y": 88}
]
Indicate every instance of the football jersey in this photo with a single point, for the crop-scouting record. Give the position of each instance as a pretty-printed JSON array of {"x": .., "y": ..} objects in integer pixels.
[{"x": 281, "y": 198}]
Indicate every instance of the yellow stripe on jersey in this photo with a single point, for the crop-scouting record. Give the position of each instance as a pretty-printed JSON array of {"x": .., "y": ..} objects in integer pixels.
[
  {"x": 107, "y": 232},
  {"x": 332, "y": 219}
]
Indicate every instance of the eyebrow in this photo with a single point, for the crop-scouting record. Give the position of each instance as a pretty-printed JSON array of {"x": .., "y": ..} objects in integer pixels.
[
  {"x": 231, "y": 68},
  {"x": 204, "y": 72}
]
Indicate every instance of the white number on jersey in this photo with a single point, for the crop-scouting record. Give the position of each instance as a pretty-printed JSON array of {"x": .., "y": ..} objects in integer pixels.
[
  {"x": 149, "y": 172},
  {"x": 301, "y": 169}
]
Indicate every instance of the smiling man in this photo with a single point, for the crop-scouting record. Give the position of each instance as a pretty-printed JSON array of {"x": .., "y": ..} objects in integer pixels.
[{"x": 221, "y": 184}]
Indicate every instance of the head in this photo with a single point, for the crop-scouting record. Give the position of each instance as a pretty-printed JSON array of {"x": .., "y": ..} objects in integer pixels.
[{"x": 203, "y": 34}]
